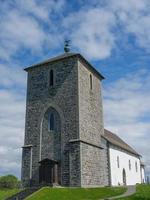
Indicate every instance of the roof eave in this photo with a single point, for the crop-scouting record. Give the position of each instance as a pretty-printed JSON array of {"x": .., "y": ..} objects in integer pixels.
[
  {"x": 93, "y": 69},
  {"x": 124, "y": 148},
  {"x": 46, "y": 62},
  {"x": 135, "y": 153},
  {"x": 73, "y": 55}
]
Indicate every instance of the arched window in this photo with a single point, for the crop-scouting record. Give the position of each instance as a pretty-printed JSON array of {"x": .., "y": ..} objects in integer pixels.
[
  {"x": 51, "y": 122},
  {"x": 118, "y": 164},
  {"x": 91, "y": 84},
  {"x": 129, "y": 165},
  {"x": 124, "y": 177},
  {"x": 51, "y": 78}
]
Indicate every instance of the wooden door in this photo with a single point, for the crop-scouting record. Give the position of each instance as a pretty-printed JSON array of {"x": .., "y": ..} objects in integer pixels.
[{"x": 45, "y": 173}]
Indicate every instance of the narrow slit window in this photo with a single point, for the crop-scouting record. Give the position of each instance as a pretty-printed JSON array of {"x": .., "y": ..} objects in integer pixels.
[
  {"x": 136, "y": 167},
  {"x": 51, "y": 77},
  {"x": 91, "y": 83},
  {"x": 118, "y": 164},
  {"x": 129, "y": 165},
  {"x": 51, "y": 122}
]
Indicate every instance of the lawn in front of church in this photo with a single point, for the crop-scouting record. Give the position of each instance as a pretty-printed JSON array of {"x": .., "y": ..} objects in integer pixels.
[
  {"x": 48, "y": 193},
  {"x": 4, "y": 193},
  {"x": 142, "y": 193}
]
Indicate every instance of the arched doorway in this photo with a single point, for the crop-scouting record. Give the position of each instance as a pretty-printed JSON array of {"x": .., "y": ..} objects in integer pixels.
[
  {"x": 124, "y": 177},
  {"x": 48, "y": 172},
  {"x": 50, "y": 163}
]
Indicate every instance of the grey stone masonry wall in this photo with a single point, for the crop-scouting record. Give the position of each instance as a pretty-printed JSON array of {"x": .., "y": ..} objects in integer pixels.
[
  {"x": 75, "y": 170},
  {"x": 90, "y": 106},
  {"x": 93, "y": 165},
  {"x": 63, "y": 97},
  {"x": 26, "y": 166},
  {"x": 105, "y": 161},
  {"x": 91, "y": 172}
]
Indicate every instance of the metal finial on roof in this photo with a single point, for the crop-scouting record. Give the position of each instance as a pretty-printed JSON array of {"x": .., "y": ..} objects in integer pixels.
[{"x": 67, "y": 46}]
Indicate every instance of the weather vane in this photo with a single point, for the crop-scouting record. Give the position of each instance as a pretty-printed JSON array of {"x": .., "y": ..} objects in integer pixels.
[{"x": 67, "y": 46}]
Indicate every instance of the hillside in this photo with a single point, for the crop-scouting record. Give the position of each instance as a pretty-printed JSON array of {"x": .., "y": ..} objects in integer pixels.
[{"x": 48, "y": 193}]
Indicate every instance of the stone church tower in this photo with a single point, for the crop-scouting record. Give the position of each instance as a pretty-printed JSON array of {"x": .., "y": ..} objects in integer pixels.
[{"x": 64, "y": 124}]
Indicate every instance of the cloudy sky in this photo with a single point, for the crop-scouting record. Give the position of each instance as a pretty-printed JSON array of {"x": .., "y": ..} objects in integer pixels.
[{"x": 113, "y": 35}]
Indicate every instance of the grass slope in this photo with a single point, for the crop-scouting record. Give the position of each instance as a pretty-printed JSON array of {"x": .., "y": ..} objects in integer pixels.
[
  {"x": 142, "y": 193},
  {"x": 4, "y": 193},
  {"x": 75, "y": 193}
]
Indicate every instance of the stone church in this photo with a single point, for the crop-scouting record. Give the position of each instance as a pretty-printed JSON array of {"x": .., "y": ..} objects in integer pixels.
[{"x": 65, "y": 140}]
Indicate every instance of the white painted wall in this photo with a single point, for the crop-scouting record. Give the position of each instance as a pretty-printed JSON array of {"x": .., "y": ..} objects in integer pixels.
[
  {"x": 143, "y": 174},
  {"x": 132, "y": 177}
]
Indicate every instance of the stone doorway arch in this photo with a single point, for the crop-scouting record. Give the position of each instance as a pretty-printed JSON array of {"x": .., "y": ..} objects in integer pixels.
[{"x": 50, "y": 147}]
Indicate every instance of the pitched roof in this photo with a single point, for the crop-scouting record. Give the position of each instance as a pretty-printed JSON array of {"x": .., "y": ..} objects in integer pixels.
[
  {"x": 142, "y": 164},
  {"x": 64, "y": 56},
  {"x": 116, "y": 140}
]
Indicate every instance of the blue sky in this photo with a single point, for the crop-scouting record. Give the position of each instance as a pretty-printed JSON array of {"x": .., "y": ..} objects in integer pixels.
[{"x": 113, "y": 35}]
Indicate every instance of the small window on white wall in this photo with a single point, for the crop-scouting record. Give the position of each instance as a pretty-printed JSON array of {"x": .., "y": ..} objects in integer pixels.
[
  {"x": 118, "y": 164},
  {"x": 129, "y": 164},
  {"x": 136, "y": 167}
]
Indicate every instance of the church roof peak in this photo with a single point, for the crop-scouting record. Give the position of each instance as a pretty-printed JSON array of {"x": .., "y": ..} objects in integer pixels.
[{"x": 65, "y": 56}]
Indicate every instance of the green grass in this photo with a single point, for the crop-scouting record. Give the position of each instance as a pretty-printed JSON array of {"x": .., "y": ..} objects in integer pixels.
[
  {"x": 142, "y": 193},
  {"x": 4, "y": 193},
  {"x": 75, "y": 193}
]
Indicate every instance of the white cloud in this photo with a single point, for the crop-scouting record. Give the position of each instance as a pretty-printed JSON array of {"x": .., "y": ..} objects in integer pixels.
[
  {"x": 8, "y": 166},
  {"x": 91, "y": 32},
  {"x": 37, "y": 9},
  {"x": 33, "y": 25},
  {"x": 42, "y": 11},
  {"x": 12, "y": 120},
  {"x": 11, "y": 76},
  {"x": 28, "y": 25},
  {"x": 134, "y": 17},
  {"x": 20, "y": 31},
  {"x": 128, "y": 97},
  {"x": 94, "y": 28}
]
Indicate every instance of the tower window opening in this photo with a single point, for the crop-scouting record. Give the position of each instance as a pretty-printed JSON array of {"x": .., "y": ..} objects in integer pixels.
[
  {"x": 91, "y": 82},
  {"x": 51, "y": 122},
  {"x": 51, "y": 78}
]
